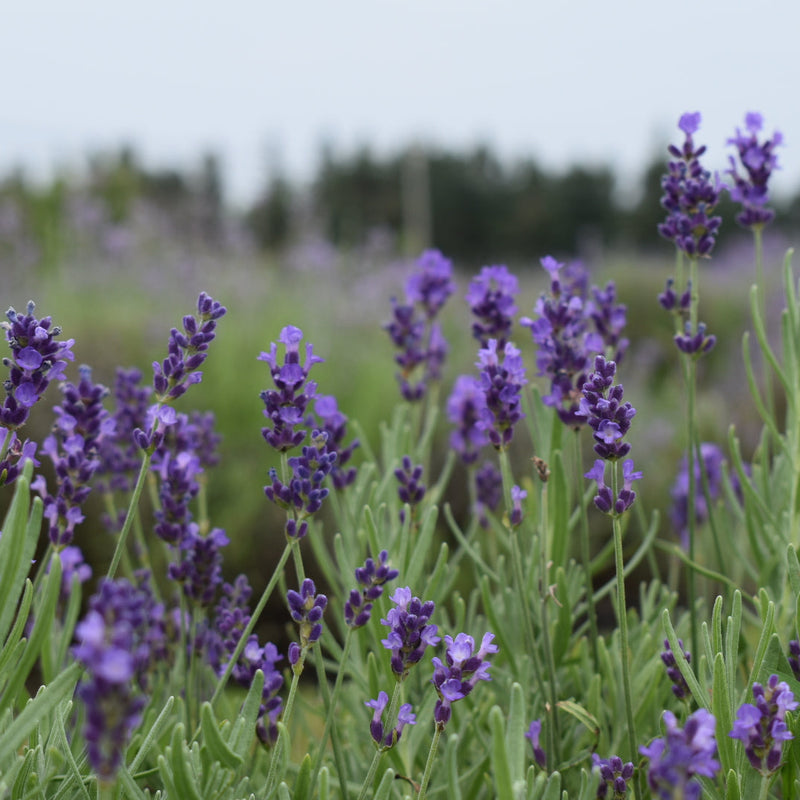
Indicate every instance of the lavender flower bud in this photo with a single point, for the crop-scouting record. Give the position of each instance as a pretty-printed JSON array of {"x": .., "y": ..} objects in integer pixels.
[
  {"x": 409, "y": 631},
  {"x": 614, "y": 776},
  {"x": 533, "y": 736},
  {"x": 679, "y": 686}
]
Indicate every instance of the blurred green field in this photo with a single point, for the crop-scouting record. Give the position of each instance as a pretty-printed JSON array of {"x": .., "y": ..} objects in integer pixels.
[{"x": 121, "y": 316}]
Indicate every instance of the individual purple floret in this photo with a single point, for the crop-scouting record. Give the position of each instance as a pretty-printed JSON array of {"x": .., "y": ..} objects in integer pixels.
[
  {"x": 533, "y": 736},
  {"x": 410, "y": 631},
  {"x": 761, "y": 728},
  {"x": 187, "y": 350},
  {"x": 117, "y": 640},
  {"x": 286, "y": 404},
  {"x": 199, "y": 564},
  {"x": 679, "y": 686},
  {"x": 371, "y": 577},
  {"x": 411, "y": 489},
  {"x": 794, "y": 658},
  {"x": 517, "y": 496},
  {"x": 759, "y": 161},
  {"x": 604, "y": 500},
  {"x": 614, "y": 776},
  {"x": 607, "y": 416},
  {"x": 488, "y": 491},
  {"x": 690, "y": 196},
  {"x": 432, "y": 283},
  {"x": 502, "y": 384},
  {"x": 491, "y": 299},
  {"x": 306, "y": 607},
  {"x": 459, "y": 674},
  {"x": 304, "y": 493},
  {"x": 695, "y": 344},
  {"x": 421, "y": 346},
  {"x": 465, "y": 408},
  {"x": 386, "y": 739},
  {"x": 36, "y": 360},
  {"x": 681, "y": 756},
  {"x": 81, "y": 424},
  {"x": 334, "y": 423}
]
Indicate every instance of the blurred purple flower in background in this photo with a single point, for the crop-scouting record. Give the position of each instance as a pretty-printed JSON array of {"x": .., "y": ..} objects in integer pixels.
[
  {"x": 758, "y": 161},
  {"x": 488, "y": 491},
  {"x": 502, "y": 383},
  {"x": 334, "y": 423},
  {"x": 614, "y": 776},
  {"x": 491, "y": 298},
  {"x": 533, "y": 735},
  {"x": 465, "y": 408},
  {"x": 679, "y": 686}
]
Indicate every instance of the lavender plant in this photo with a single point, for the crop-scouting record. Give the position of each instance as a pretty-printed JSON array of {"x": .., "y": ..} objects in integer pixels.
[{"x": 512, "y": 677}]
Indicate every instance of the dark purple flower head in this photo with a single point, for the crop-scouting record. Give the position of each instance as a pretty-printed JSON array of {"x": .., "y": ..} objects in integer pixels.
[
  {"x": 761, "y": 728},
  {"x": 371, "y": 578},
  {"x": 304, "y": 493},
  {"x": 565, "y": 340},
  {"x": 411, "y": 489},
  {"x": 491, "y": 298},
  {"x": 199, "y": 564},
  {"x": 432, "y": 283},
  {"x": 334, "y": 423},
  {"x": 465, "y": 408},
  {"x": 306, "y": 607},
  {"x": 604, "y": 499},
  {"x": 695, "y": 344},
  {"x": 187, "y": 350},
  {"x": 117, "y": 640},
  {"x": 533, "y": 736},
  {"x": 758, "y": 161},
  {"x": 463, "y": 667},
  {"x": 614, "y": 776},
  {"x": 605, "y": 412},
  {"x": 610, "y": 319},
  {"x": 178, "y": 486},
  {"x": 679, "y": 686},
  {"x": 36, "y": 360},
  {"x": 410, "y": 631},
  {"x": 690, "y": 196},
  {"x": 81, "y": 425},
  {"x": 502, "y": 383},
  {"x": 386, "y": 739},
  {"x": 681, "y": 756},
  {"x": 286, "y": 404}
]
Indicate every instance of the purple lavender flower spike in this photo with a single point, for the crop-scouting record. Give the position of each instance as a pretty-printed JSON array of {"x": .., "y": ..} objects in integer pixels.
[
  {"x": 117, "y": 641},
  {"x": 199, "y": 568},
  {"x": 681, "y": 756},
  {"x": 517, "y": 496},
  {"x": 432, "y": 283},
  {"x": 695, "y": 344},
  {"x": 459, "y": 674},
  {"x": 761, "y": 728},
  {"x": 502, "y": 384},
  {"x": 758, "y": 160},
  {"x": 410, "y": 631},
  {"x": 286, "y": 404},
  {"x": 533, "y": 736},
  {"x": 491, "y": 299},
  {"x": 405, "y": 716},
  {"x": 604, "y": 411},
  {"x": 371, "y": 577},
  {"x": 610, "y": 319},
  {"x": 334, "y": 423},
  {"x": 614, "y": 776},
  {"x": 679, "y": 686},
  {"x": 411, "y": 490},
  {"x": 690, "y": 196},
  {"x": 178, "y": 487},
  {"x": 187, "y": 350},
  {"x": 465, "y": 407},
  {"x": 306, "y": 607},
  {"x": 36, "y": 360},
  {"x": 81, "y": 425}
]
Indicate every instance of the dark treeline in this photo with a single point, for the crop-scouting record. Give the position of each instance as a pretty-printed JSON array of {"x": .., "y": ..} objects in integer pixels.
[{"x": 470, "y": 205}]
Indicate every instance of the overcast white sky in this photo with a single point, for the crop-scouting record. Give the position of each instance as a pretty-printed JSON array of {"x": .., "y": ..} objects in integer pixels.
[{"x": 600, "y": 81}]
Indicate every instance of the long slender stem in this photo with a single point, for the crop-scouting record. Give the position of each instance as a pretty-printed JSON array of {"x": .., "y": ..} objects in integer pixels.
[
  {"x": 426, "y": 777},
  {"x": 586, "y": 557},
  {"x": 690, "y": 372}
]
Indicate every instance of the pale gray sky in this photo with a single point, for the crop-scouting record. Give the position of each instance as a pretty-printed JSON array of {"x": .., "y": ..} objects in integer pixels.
[{"x": 596, "y": 82}]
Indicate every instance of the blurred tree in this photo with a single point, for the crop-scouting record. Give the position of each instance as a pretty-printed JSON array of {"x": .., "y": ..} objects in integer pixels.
[{"x": 270, "y": 219}]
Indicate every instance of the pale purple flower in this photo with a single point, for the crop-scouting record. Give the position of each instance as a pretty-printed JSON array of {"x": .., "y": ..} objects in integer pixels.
[
  {"x": 502, "y": 383},
  {"x": 410, "y": 631},
  {"x": 533, "y": 735}
]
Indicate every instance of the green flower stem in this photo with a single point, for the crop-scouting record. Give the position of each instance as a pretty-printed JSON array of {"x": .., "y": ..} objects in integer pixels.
[
  {"x": 132, "y": 507},
  {"x": 622, "y": 622},
  {"x": 586, "y": 557},
  {"x": 373, "y": 767},
  {"x": 252, "y": 623},
  {"x": 297, "y": 671},
  {"x": 105, "y": 790},
  {"x": 426, "y": 777},
  {"x": 329, "y": 719},
  {"x": 766, "y": 782},
  {"x": 690, "y": 374}
]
